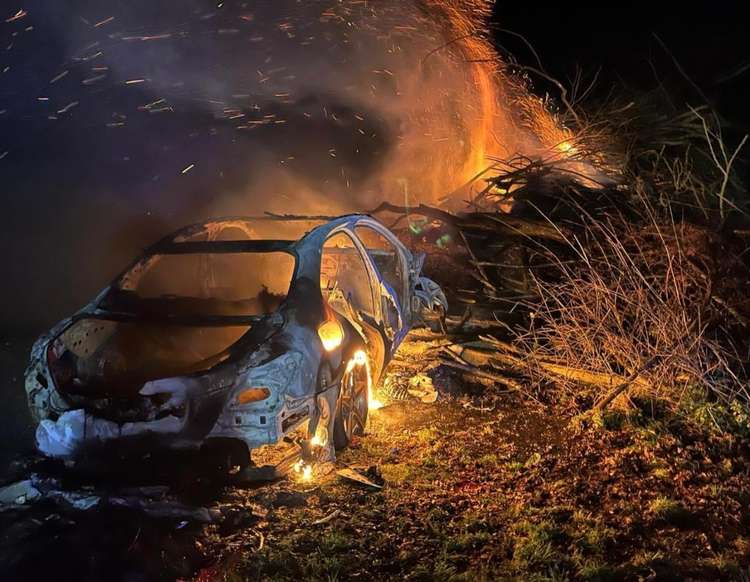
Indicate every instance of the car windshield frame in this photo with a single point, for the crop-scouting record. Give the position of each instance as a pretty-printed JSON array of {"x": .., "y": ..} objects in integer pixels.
[{"x": 170, "y": 246}]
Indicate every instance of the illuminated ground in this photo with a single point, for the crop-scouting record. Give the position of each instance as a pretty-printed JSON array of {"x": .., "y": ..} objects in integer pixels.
[
  {"x": 478, "y": 485},
  {"x": 489, "y": 487}
]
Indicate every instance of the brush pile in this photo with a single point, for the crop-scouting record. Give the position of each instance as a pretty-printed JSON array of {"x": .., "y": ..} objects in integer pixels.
[{"x": 602, "y": 284}]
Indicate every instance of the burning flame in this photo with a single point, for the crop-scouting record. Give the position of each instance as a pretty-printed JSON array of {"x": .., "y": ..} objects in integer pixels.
[
  {"x": 320, "y": 438},
  {"x": 566, "y": 147},
  {"x": 374, "y": 403},
  {"x": 304, "y": 471},
  {"x": 360, "y": 359}
]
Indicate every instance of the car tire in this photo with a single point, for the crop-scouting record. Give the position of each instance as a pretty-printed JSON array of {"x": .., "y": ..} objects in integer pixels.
[{"x": 351, "y": 406}]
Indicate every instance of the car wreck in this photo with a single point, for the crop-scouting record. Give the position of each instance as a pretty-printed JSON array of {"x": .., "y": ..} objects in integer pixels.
[{"x": 217, "y": 339}]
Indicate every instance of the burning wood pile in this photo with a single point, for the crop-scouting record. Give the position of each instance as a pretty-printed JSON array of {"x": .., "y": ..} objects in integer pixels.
[{"x": 598, "y": 292}]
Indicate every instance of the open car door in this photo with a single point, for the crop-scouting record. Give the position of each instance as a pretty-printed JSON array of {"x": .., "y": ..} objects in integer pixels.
[{"x": 390, "y": 261}]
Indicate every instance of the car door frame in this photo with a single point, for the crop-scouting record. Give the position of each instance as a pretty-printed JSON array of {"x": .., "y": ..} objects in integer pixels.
[
  {"x": 402, "y": 307},
  {"x": 376, "y": 286}
]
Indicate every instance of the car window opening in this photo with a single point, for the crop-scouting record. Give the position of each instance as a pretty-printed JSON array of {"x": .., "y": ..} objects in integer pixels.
[
  {"x": 180, "y": 315},
  {"x": 344, "y": 279},
  {"x": 386, "y": 259}
]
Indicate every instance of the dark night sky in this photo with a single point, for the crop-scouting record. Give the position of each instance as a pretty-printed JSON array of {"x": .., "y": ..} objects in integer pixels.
[
  {"x": 54, "y": 229},
  {"x": 709, "y": 39}
]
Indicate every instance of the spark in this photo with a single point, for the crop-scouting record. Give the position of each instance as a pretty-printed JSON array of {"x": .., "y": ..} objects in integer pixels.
[
  {"x": 154, "y": 37},
  {"x": 153, "y": 104},
  {"x": 67, "y": 108},
  {"x": 92, "y": 80},
  {"x": 103, "y": 22},
  {"x": 91, "y": 57},
  {"x": 56, "y": 78},
  {"x": 17, "y": 16},
  {"x": 186, "y": 170}
]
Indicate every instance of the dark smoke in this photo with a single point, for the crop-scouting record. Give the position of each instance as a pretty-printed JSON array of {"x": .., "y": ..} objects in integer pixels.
[{"x": 124, "y": 120}]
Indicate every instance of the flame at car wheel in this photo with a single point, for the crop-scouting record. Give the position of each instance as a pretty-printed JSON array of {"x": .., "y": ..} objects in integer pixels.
[{"x": 353, "y": 399}]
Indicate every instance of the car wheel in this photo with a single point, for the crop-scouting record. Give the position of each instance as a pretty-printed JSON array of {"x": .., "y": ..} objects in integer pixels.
[{"x": 352, "y": 405}]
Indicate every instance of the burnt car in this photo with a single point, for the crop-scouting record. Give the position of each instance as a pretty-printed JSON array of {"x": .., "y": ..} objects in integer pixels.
[{"x": 216, "y": 336}]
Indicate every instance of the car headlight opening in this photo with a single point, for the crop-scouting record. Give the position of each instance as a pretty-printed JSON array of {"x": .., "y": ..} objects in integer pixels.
[
  {"x": 253, "y": 394},
  {"x": 331, "y": 334}
]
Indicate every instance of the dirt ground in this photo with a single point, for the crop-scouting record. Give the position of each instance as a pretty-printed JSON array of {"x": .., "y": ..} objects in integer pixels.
[{"x": 481, "y": 484}]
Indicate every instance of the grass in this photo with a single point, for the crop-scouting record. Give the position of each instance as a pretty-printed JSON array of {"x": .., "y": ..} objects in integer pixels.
[
  {"x": 535, "y": 546},
  {"x": 661, "y": 472},
  {"x": 609, "y": 419},
  {"x": 515, "y": 466},
  {"x": 534, "y": 459},
  {"x": 726, "y": 564},
  {"x": 596, "y": 572},
  {"x": 427, "y": 435},
  {"x": 396, "y": 473},
  {"x": 565, "y": 541},
  {"x": 464, "y": 504},
  {"x": 488, "y": 461},
  {"x": 592, "y": 536},
  {"x": 669, "y": 510}
]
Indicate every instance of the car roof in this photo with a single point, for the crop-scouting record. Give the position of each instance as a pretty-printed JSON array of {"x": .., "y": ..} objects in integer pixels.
[
  {"x": 183, "y": 240},
  {"x": 306, "y": 248}
]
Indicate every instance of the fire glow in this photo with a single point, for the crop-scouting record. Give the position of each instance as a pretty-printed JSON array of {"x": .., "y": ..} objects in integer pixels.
[
  {"x": 303, "y": 471},
  {"x": 360, "y": 359},
  {"x": 331, "y": 334}
]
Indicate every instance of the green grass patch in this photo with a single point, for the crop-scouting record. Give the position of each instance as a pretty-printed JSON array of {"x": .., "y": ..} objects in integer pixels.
[
  {"x": 396, "y": 473},
  {"x": 488, "y": 461},
  {"x": 534, "y": 459},
  {"x": 597, "y": 572},
  {"x": 427, "y": 435},
  {"x": 670, "y": 511},
  {"x": 609, "y": 419},
  {"x": 535, "y": 546}
]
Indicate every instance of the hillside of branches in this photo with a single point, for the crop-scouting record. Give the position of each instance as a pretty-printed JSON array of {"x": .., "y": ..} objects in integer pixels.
[{"x": 612, "y": 275}]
